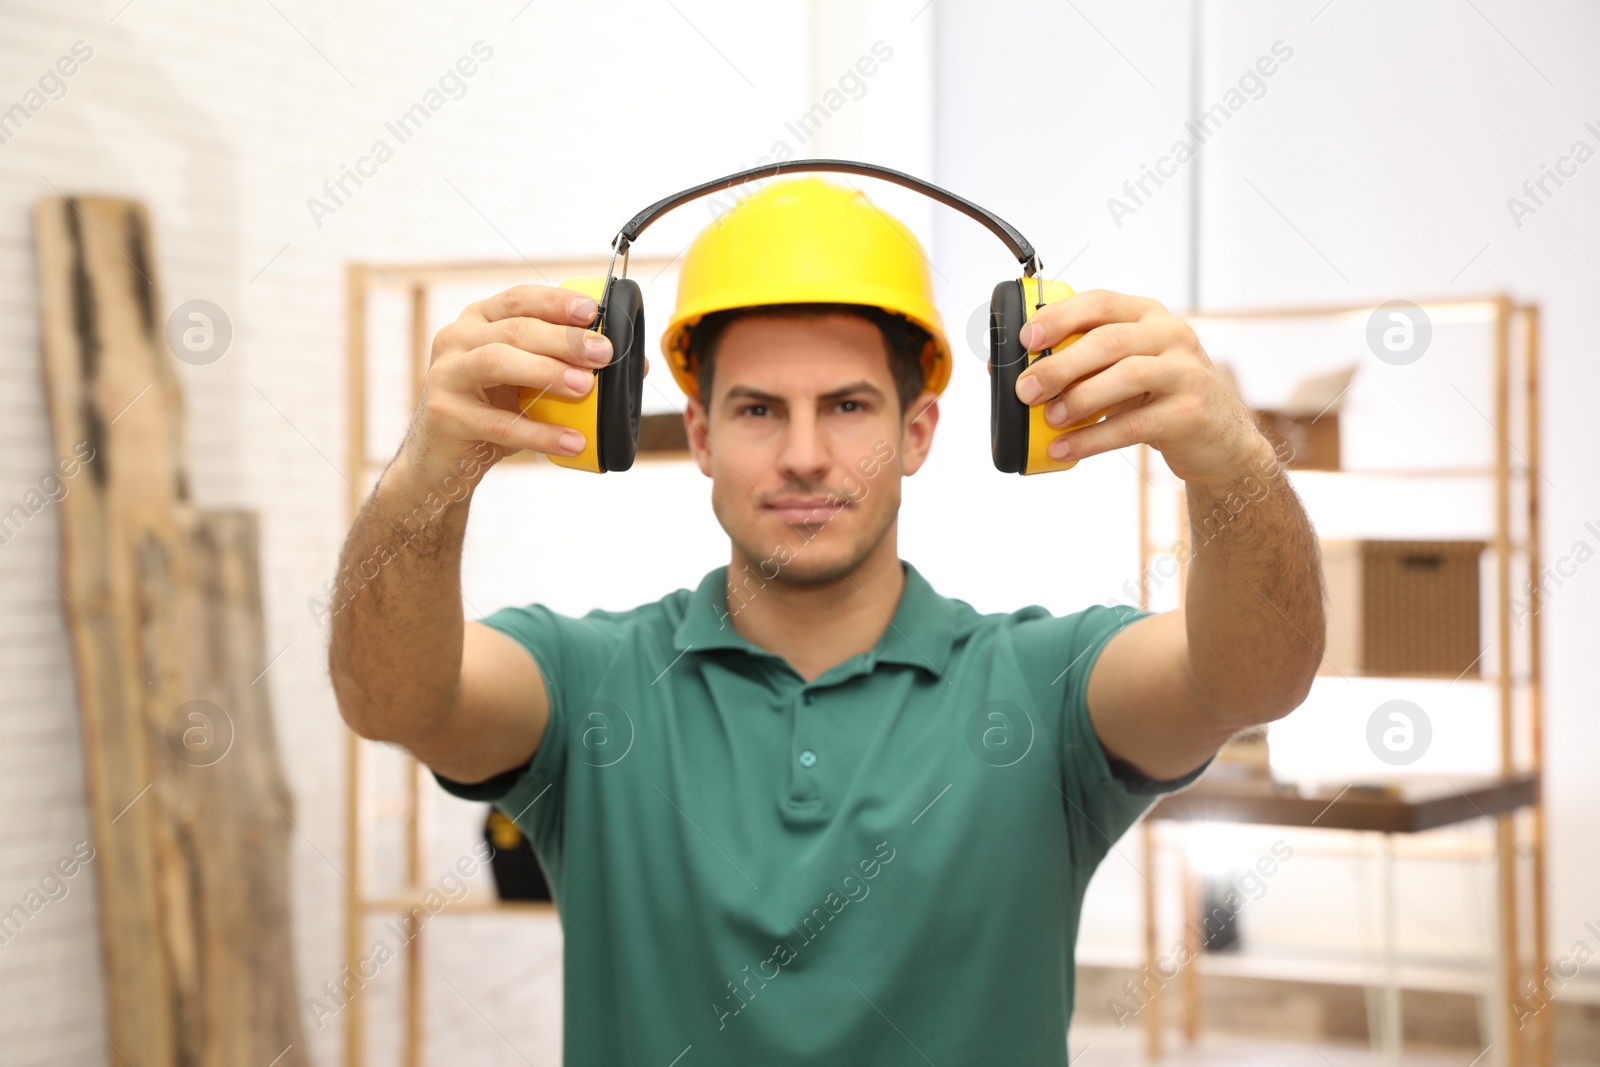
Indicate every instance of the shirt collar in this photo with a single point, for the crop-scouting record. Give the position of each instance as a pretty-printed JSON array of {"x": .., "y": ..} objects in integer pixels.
[{"x": 920, "y": 633}]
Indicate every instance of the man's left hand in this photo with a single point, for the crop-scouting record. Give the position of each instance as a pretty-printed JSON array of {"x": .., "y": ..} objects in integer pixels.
[{"x": 1147, "y": 367}]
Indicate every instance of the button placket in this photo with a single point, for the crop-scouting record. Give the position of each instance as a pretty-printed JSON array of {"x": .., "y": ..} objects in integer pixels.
[{"x": 803, "y": 751}]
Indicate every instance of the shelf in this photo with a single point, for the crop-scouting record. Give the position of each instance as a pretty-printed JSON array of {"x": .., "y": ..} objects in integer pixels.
[
  {"x": 1299, "y": 964},
  {"x": 1445, "y": 844},
  {"x": 1514, "y": 471},
  {"x": 1412, "y": 472},
  {"x": 1418, "y": 472},
  {"x": 404, "y": 901},
  {"x": 1511, "y": 546},
  {"x": 1435, "y": 676},
  {"x": 1416, "y": 803}
]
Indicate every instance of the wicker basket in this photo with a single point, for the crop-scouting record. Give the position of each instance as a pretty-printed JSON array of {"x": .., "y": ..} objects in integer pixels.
[{"x": 1403, "y": 608}]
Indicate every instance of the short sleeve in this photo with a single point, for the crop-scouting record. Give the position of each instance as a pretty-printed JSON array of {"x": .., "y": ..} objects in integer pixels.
[
  {"x": 570, "y": 654},
  {"x": 1104, "y": 795},
  {"x": 490, "y": 789}
]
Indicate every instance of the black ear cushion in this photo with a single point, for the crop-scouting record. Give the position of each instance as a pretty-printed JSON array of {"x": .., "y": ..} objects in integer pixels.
[
  {"x": 621, "y": 382},
  {"x": 1008, "y": 416}
]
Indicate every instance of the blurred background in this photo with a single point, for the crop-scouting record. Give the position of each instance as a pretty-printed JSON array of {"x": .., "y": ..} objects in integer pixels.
[{"x": 1283, "y": 173}]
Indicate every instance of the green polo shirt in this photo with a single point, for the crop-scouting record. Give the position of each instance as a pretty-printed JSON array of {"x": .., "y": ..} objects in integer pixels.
[{"x": 884, "y": 865}]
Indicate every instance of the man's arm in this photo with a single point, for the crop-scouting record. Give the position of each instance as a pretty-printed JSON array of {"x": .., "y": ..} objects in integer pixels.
[
  {"x": 406, "y": 666},
  {"x": 1169, "y": 690},
  {"x": 1165, "y": 693}
]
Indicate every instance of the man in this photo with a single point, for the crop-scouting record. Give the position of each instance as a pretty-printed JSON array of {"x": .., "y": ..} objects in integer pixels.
[{"x": 812, "y": 810}]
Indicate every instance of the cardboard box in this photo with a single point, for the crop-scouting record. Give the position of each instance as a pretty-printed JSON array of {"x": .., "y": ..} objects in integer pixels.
[
  {"x": 1304, "y": 429},
  {"x": 1305, "y": 442},
  {"x": 1403, "y": 608}
]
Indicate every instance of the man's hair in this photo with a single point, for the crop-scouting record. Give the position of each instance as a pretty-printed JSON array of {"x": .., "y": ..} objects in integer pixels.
[{"x": 903, "y": 339}]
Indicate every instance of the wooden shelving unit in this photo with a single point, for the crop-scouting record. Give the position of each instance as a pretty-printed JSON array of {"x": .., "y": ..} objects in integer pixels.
[
  {"x": 1421, "y": 806},
  {"x": 416, "y": 281}
]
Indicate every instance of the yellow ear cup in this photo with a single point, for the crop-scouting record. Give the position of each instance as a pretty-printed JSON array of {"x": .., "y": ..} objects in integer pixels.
[
  {"x": 1040, "y": 432},
  {"x": 582, "y": 414}
]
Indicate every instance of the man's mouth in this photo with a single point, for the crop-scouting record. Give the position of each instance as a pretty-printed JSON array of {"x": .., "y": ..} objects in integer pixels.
[{"x": 805, "y": 511}]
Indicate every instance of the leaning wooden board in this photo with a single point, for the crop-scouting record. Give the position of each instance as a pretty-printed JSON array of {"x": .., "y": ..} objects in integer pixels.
[{"x": 189, "y": 809}]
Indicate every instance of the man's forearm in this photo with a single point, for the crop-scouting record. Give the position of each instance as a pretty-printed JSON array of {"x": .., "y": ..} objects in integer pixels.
[
  {"x": 1254, "y": 604},
  {"x": 395, "y": 650}
]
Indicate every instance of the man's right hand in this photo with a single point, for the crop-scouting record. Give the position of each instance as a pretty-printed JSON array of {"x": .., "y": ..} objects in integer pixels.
[{"x": 529, "y": 335}]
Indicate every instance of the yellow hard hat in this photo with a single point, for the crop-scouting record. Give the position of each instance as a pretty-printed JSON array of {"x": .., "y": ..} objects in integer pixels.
[{"x": 805, "y": 240}]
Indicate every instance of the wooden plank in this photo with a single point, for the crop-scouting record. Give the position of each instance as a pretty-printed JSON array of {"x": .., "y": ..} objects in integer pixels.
[
  {"x": 1193, "y": 883},
  {"x": 1506, "y": 880},
  {"x": 421, "y": 343},
  {"x": 355, "y": 363},
  {"x": 354, "y": 909},
  {"x": 107, "y": 395},
  {"x": 232, "y": 805},
  {"x": 1544, "y": 1031},
  {"x": 188, "y": 807},
  {"x": 355, "y": 355},
  {"x": 1152, "y": 925}
]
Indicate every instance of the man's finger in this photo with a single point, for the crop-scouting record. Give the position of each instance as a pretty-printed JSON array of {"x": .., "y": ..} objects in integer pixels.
[
  {"x": 1127, "y": 427},
  {"x": 536, "y": 335},
  {"x": 561, "y": 306},
  {"x": 1082, "y": 313},
  {"x": 1094, "y": 352},
  {"x": 498, "y": 363},
  {"x": 511, "y": 429},
  {"x": 1122, "y": 385}
]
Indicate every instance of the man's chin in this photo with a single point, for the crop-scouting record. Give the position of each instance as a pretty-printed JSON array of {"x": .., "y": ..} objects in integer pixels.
[
  {"x": 809, "y": 556},
  {"x": 818, "y": 567}
]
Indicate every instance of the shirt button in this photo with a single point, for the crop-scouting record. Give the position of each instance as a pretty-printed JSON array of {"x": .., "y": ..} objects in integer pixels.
[
  {"x": 808, "y": 758},
  {"x": 809, "y": 696}
]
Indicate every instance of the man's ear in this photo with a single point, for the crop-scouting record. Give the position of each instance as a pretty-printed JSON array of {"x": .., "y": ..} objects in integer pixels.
[
  {"x": 697, "y": 427},
  {"x": 916, "y": 434}
]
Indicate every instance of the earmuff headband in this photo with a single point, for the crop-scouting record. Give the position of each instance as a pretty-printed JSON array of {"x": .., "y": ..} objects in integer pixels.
[{"x": 1018, "y": 244}]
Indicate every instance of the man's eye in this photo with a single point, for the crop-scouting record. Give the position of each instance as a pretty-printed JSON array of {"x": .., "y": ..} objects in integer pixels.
[
  {"x": 751, "y": 407},
  {"x": 857, "y": 404}
]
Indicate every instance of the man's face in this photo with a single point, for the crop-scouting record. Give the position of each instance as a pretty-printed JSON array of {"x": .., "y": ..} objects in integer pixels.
[{"x": 805, "y": 443}]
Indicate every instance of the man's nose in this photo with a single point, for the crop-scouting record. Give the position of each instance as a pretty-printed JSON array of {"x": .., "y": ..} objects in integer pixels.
[{"x": 805, "y": 447}]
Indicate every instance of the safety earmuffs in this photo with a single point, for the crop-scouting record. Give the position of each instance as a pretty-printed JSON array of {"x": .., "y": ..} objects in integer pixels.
[
  {"x": 1019, "y": 434},
  {"x": 608, "y": 415}
]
